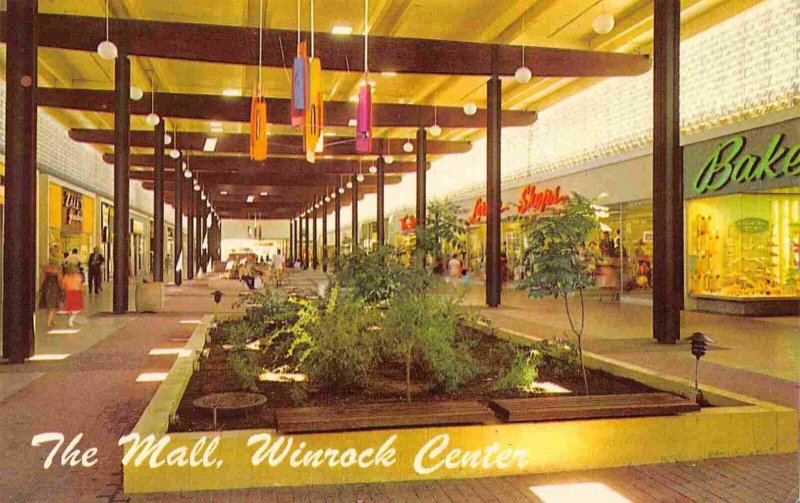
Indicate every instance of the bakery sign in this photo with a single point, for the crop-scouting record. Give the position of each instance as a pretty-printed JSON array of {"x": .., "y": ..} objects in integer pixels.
[
  {"x": 72, "y": 209},
  {"x": 532, "y": 199},
  {"x": 755, "y": 160}
]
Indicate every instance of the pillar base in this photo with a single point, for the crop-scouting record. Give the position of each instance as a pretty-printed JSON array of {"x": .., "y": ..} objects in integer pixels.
[{"x": 150, "y": 297}]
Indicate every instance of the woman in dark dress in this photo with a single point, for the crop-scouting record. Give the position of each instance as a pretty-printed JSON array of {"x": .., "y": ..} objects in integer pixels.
[{"x": 51, "y": 295}]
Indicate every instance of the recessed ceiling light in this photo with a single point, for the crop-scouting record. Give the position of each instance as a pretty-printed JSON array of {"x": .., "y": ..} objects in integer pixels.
[
  {"x": 330, "y": 133},
  {"x": 327, "y": 157},
  {"x": 231, "y": 91},
  {"x": 251, "y": 198},
  {"x": 217, "y": 130},
  {"x": 388, "y": 74},
  {"x": 342, "y": 30},
  {"x": 354, "y": 99},
  {"x": 216, "y": 124},
  {"x": 223, "y": 192},
  {"x": 263, "y": 193},
  {"x": 211, "y": 145},
  {"x": 352, "y": 122}
]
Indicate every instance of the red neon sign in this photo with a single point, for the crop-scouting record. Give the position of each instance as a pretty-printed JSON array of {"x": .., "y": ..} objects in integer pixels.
[
  {"x": 531, "y": 200},
  {"x": 481, "y": 209},
  {"x": 408, "y": 222}
]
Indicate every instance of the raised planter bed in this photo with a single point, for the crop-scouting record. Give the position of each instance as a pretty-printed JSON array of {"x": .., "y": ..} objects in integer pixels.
[{"x": 736, "y": 425}]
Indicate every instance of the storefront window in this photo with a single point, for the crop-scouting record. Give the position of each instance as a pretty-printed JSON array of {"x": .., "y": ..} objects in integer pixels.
[
  {"x": 637, "y": 248},
  {"x": 745, "y": 245}
]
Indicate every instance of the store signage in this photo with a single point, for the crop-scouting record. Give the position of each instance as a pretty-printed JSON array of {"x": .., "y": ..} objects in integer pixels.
[
  {"x": 752, "y": 225},
  {"x": 728, "y": 163},
  {"x": 481, "y": 210},
  {"x": 72, "y": 206},
  {"x": 531, "y": 200}
]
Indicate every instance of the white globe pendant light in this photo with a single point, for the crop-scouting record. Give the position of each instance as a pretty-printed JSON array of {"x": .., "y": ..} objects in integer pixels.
[
  {"x": 360, "y": 177},
  {"x": 202, "y": 196},
  {"x": 333, "y": 195},
  {"x": 408, "y": 146},
  {"x": 523, "y": 75},
  {"x": 435, "y": 130},
  {"x": 168, "y": 140},
  {"x": 174, "y": 153},
  {"x": 341, "y": 190},
  {"x": 603, "y": 23},
  {"x": 107, "y": 49},
  {"x": 327, "y": 199},
  {"x": 136, "y": 93},
  {"x": 373, "y": 169},
  {"x": 470, "y": 108},
  {"x": 187, "y": 173},
  {"x": 152, "y": 119},
  {"x": 196, "y": 187},
  {"x": 349, "y": 185},
  {"x": 184, "y": 165},
  {"x": 388, "y": 159}
]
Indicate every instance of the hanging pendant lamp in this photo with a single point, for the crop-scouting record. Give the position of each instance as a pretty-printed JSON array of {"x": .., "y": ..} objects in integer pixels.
[
  {"x": 388, "y": 158},
  {"x": 523, "y": 74},
  {"x": 107, "y": 49},
  {"x": 152, "y": 118}
]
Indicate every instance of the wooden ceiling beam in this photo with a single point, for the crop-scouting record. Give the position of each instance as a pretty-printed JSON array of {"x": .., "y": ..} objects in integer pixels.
[
  {"x": 273, "y": 165},
  {"x": 277, "y": 144},
  {"x": 239, "y": 46},
  {"x": 237, "y": 109}
]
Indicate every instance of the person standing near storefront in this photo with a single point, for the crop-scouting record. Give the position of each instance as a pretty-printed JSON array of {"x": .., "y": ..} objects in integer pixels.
[
  {"x": 51, "y": 295},
  {"x": 96, "y": 261},
  {"x": 73, "y": 292},
  {"x": 453, "y": 269},
  {"x": 278, "y": 263}
]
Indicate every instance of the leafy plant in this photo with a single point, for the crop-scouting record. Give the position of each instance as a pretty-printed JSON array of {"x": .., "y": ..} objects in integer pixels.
[
  {"x": 523, "y": 371},
  {"x": 557, "y": 262},
  {"x": 338, "y": 352},
  {"x": 421, "y": 328},
  {"x": 444, "y": 230},
  {"x": 378, "y": 275}
]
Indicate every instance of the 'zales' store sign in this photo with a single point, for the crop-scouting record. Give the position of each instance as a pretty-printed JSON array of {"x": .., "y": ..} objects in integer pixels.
[
  {"x": 529, "y": 200},
  {"x": 760, "y": 159}
]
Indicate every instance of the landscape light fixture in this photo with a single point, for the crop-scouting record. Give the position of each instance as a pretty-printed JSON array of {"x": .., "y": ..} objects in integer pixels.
[
  {"x": 700, "y": 342},
  {"x": 107, "y": 49}
]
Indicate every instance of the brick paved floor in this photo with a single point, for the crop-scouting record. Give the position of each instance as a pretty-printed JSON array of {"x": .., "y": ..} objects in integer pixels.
[{"x": 94, "y": 391}]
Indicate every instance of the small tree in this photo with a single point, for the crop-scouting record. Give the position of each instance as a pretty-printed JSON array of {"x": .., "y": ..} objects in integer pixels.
[
  {"x": 557, "y": 262},
  {"x": 443, "y": 228}
]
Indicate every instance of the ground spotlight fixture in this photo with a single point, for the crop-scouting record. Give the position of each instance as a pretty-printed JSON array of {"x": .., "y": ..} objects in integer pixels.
[{"x": 700, "y": 342}]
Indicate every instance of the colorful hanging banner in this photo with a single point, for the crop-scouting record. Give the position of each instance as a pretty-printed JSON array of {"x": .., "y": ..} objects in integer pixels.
[
  {"x": 299, "y": 91},
  {"x": 314, "y": 110},
  {"x": 364, "y": 120},
  {"x": 258, "y": 127}
]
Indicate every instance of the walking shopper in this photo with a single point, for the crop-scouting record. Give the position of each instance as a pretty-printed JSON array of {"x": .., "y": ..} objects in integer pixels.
[
  {"x": 96, "y": 261},
  {"x": 51, "y": 295},
  {"x": 453, "y": 269},
  {"x": 73, "y": 285},
  {"x": 278, "y": 263}
]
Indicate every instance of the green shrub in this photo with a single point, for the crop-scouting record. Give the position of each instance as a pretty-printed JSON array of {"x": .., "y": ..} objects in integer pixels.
[
  {"x": 339, "y": 353},
  {"x": 523, "y": 371},
  {"x": 422, "y": 329}
]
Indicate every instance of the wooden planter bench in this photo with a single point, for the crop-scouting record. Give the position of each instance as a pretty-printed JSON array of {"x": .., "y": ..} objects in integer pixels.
[
  {"x": 559, "y": 408},
  {"x": 355, "y": 417}
]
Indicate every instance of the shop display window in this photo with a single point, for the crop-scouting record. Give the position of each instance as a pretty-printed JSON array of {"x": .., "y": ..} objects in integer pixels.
[{"x": 744, "y": 245}]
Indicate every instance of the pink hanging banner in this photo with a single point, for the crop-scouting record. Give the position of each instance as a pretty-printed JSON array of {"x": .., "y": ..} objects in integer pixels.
[{"x": 364, "y": 121}]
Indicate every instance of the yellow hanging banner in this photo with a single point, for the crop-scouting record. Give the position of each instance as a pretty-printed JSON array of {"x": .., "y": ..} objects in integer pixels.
[{"x": 314, "y": 110}]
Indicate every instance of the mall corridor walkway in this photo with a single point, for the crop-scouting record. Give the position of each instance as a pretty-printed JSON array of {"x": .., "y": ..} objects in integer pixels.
[{"x": 92, "y": 389}]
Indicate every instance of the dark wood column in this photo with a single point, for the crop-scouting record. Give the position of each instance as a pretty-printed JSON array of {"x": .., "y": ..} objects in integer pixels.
[
  {"x": 122, "y": 147},
  {"x": 190, "y": 267},
  {"x": 158, "y": 204},
  {"x": 493, "y": 203},
  {"x": 354, "y": 213},
  {"x": 290, "y": 251},
  {"x": 325, "y": 233},
  {"x": 667, "y": 174},
  {"x": 198, "y": 231},
  {"x": 314, "y": 256},
  {"x": 381, "y": 202},
  {"x": 337, "y": 225},
  {"x": 422, "y": 165},
  {"x": 300, "y": 239},
  {"x": 307, "y": 251},
  {"x": 19, "y": 259},
  {"x": 178, "y": 224}
]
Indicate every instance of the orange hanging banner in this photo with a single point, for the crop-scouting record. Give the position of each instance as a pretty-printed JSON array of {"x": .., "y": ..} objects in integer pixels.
[
  {"x": 258, "y": 128},
  {"x": 313, "y": 136}
]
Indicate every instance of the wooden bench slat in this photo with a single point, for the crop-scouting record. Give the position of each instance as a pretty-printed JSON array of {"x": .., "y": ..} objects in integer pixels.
[
  {"x": 316, "y": 419},
  {"x": 588, "y": 407}
]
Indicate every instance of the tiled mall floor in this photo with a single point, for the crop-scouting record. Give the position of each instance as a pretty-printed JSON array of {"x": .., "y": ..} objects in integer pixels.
[{"x": 94, "y": 391}]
